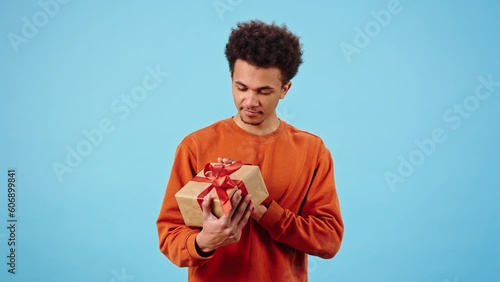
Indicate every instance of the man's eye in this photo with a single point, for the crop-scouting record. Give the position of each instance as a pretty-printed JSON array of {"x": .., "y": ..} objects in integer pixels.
[
  {"x": 241, "y": 89},
  {"x": 265, "y": 92}
]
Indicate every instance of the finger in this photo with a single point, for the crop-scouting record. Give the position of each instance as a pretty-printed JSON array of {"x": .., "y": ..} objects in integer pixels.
[
  {"x": 241, "y": 209},
  {"x": 258, "y": 212},
  {"x": 207, "y": 208},
  {"x": 246, "y": 216},
  {"x": 235, "y": 199},
  {"x": 227, "y": 161},
  {"x": 224, "y": 160}
]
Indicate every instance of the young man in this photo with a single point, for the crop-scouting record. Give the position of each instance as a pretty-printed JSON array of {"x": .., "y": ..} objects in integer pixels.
[{"x": 301, "y": 216}]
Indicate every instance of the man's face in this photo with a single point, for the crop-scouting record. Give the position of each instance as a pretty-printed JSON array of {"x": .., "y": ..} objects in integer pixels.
[{"x": 256, "y": 92}]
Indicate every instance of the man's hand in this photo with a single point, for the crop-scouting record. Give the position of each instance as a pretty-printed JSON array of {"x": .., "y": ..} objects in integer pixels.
[
  {"x": 259, "y": 212},
  {"x": 218, "y": 232},
  {"x": 225, "y": 161}
]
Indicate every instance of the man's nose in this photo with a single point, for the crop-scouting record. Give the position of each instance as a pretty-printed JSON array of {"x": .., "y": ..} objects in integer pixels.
[{"x": 251, "y": 100}]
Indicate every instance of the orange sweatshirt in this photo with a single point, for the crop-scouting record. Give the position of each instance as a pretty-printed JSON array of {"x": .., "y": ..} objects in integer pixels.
[{"x": 303, "y": 215}]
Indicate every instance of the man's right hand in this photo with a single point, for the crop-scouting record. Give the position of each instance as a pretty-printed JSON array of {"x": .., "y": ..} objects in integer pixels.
[{"x": 218, "y": 232}]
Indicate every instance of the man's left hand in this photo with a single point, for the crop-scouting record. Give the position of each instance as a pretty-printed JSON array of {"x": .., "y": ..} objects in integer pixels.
[{"x": 259, "y": 212}]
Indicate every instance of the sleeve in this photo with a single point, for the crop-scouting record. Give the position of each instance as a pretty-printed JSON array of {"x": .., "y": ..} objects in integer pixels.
[
  {"x": 318, "y": 228},
  {"x": 177, "y": 241}
]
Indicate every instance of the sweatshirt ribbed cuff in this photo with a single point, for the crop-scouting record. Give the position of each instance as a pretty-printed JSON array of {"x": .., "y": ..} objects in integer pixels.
[
  {"x": 191, "y": 248},
  {"x": 272, "y": 219}
]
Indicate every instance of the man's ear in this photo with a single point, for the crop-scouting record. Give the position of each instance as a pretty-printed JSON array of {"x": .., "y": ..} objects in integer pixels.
[{"x": 285, "y": 89}]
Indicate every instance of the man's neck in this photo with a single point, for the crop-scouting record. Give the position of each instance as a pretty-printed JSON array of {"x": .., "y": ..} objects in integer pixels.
[{"x": 268, "y": 126}]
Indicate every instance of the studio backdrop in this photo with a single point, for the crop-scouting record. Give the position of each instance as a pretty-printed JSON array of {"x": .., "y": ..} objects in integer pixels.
[{"x": 96, "y": 95}]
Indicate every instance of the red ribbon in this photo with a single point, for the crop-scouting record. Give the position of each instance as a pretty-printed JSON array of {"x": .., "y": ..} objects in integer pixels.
[{"x": 218, "y": 176}]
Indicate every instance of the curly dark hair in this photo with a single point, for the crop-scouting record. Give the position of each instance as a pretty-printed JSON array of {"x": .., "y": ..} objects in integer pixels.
[{"x": 265, "y": 45}]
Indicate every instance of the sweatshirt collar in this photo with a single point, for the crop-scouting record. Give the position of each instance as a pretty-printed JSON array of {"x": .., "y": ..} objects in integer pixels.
[{"x": 259, "y": 138}]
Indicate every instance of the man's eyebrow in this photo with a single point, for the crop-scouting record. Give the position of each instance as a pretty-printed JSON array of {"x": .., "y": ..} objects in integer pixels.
[
  {"x": 260, "y": 88},
  {"x": 240, "y": 83}
]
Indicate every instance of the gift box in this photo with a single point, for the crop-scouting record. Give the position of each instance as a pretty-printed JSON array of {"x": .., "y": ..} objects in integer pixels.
[{"x": 220, "y": 182}]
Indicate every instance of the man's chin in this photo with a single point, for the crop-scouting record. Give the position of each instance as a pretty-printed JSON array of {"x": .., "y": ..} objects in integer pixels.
[{"x": 249, "y": 121}]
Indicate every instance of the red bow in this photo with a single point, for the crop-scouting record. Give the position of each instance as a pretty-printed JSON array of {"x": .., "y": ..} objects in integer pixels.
[{"x": 218, "y": 176}]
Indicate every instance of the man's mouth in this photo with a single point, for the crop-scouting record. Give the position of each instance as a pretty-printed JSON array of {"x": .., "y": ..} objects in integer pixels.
[{"x": 251, "y": 113}]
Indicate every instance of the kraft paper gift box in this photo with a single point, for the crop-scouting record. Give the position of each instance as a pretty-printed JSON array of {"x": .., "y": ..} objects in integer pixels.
[{"x": 219, "y": 181}]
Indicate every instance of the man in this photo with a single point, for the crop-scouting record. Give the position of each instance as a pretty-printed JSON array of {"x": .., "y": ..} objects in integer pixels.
[{"x": 301, "y": 216}]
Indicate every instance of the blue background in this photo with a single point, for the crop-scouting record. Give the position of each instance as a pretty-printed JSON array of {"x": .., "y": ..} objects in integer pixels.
[{"x": 98, "y": 221}]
